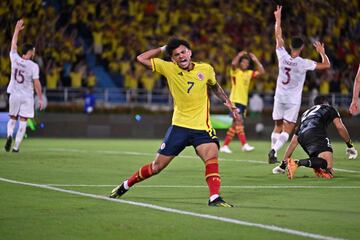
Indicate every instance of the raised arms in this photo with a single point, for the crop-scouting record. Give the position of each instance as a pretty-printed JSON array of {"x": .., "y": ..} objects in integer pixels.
[
  {"x": 278, "y": 31},
  {"x": 259, "y": 66},
  {"x": 19, "y": 26},
  {"x": 145, "y": 57},
  {"x": 236, "y": 59},
  {"x": 325, "y": 63}
]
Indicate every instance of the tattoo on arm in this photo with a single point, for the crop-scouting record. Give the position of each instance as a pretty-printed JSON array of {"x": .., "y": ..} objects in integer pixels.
[{"x": 219, "y": 92}]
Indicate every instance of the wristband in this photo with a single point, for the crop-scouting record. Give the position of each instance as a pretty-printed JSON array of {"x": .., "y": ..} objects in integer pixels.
[
  {"x": 349, "y": 144},
  {"x": 163, "y": 48}
]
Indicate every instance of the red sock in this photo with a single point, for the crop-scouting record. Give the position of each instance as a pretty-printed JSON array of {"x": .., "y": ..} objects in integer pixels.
[
  {"x": 229, "y": 135},
  {"x": 144, "y": 173},
  {"x": 241, "y": 134},
  {"x": 212, "y": 175}
]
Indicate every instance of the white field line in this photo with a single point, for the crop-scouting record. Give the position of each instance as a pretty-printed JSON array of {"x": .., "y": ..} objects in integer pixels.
[
  {"x": 111, "y": 152},
  {"x": 181, "y": 212},
  {"x": 203, "y": 186}
]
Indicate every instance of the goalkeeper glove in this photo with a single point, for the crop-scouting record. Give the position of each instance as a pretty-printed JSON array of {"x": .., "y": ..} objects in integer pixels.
[{"x": 351, "y": 152}]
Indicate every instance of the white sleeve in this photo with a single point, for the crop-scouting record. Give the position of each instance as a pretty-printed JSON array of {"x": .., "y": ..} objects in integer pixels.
[
  {"x": 35, "y": 72},
  {"x": 281, "y": 52},
  {"x": 14, "y": 55},
  {"x": 309, "y": 65}
]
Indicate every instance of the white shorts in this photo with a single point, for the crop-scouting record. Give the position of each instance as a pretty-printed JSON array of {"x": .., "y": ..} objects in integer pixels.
[
  {"x": 21, "y": 106},
  {"x": 285, "y": 111}
]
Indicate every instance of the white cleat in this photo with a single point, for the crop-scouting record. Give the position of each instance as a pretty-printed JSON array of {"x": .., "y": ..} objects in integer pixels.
[
  {"x": 225, "y": 149},
  {"x": 278, "y": 170},
  {"x": 247, "y": 148}
]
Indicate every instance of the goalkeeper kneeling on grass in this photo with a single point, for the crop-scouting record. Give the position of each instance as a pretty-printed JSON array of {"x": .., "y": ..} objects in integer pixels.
[{"x": 312, "y": 137}]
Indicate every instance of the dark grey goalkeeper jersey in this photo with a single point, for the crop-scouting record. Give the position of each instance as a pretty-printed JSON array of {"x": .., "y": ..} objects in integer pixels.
[{"x": 317, "y": 119}]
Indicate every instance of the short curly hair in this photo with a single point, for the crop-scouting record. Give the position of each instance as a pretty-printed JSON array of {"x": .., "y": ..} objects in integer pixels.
[{"x": 175, "y": 43}]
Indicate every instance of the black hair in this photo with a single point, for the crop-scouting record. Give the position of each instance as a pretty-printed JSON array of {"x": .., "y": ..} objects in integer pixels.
[
  {"x": 251, "y": 62},
  {"x": 297, "y": 42},
  {"x": 175, "y": 43},
  {"x": 321, "y": 99},
  {"x": 27, "y": 47},
  {"x": 245, "y": 57}
]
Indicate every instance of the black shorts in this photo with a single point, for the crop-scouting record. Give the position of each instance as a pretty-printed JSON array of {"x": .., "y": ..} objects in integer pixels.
[
  {"x": 177, "y": 138},
  {"x": 314, "y": 143}
]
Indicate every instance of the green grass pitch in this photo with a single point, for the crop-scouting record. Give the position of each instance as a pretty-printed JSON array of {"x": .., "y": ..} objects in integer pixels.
[{"x": 271, "y": 204}]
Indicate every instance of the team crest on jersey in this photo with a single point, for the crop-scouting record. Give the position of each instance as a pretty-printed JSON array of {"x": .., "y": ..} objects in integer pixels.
[
  {"x": 162, "y": 146},
  {"x": 201, "y": 76}
]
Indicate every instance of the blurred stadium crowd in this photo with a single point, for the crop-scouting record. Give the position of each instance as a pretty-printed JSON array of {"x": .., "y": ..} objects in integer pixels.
[{"x": 78, "y": 40}]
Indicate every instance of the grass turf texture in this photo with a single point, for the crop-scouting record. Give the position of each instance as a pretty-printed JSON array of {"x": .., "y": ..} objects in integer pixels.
[{"x": 33, "y": 213}]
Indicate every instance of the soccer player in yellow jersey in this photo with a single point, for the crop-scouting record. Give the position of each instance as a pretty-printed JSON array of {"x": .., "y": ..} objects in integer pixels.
[
  {"x": 188, "y": 83},
  {"x": 241, "y": 76}
]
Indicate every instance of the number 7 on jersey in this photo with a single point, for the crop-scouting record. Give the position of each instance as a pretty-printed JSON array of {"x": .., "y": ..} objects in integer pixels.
[{"x": 191, "y": 84}]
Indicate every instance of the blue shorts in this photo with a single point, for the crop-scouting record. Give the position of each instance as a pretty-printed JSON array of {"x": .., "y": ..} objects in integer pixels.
[
  {"x": 242, "y": 110},
  {"x": 177, "y": 138}
]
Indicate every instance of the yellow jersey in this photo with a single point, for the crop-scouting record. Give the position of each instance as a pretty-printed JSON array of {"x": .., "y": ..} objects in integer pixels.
[
  {"x": 189, "y": 90},
  {"x": 240, "y": 82}
]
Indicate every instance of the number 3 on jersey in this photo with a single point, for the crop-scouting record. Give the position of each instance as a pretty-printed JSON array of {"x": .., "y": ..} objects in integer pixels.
[
  {"x": 191, "y": 84},
  {"x": 287, "y": 73},
  {"x": 19, "y": 75}
]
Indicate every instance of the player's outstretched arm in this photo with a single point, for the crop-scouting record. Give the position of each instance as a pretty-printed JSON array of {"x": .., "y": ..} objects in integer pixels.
[
  {"x": 291, "y": 148},
  {"x": 145, "y": 57},
  {"x": 325, "y": 62},
  {"x": 278, "y": 30},
  {"x": 19, "y": 26},
  {"x": 259, "y": 66},
  {"x": 219, "y": 92},
  {"x": 354, "y": 106},
  {"x": 236, "y": 59},
  {"x": 344, "y": 134}
]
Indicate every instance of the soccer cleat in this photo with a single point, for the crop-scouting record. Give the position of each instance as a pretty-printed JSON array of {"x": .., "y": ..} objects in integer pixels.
[
  {"x": 8, "y": 143},
  {"x": 278, "y": 170},
  {"x": 323, "y": 174},
  {"x": 219, "y": 202},
  {"x": 247, "y": 148},
  {"x": 225, "y": 149},
  {"x": 118, "y": 191},
  {"x": 318, "y": 172},
  {"x": 15, "y": 150},
  {"x": 328, "y": 173},
  {"x": 272, "y": 157},
  {"x": 291, "y": 168}
]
